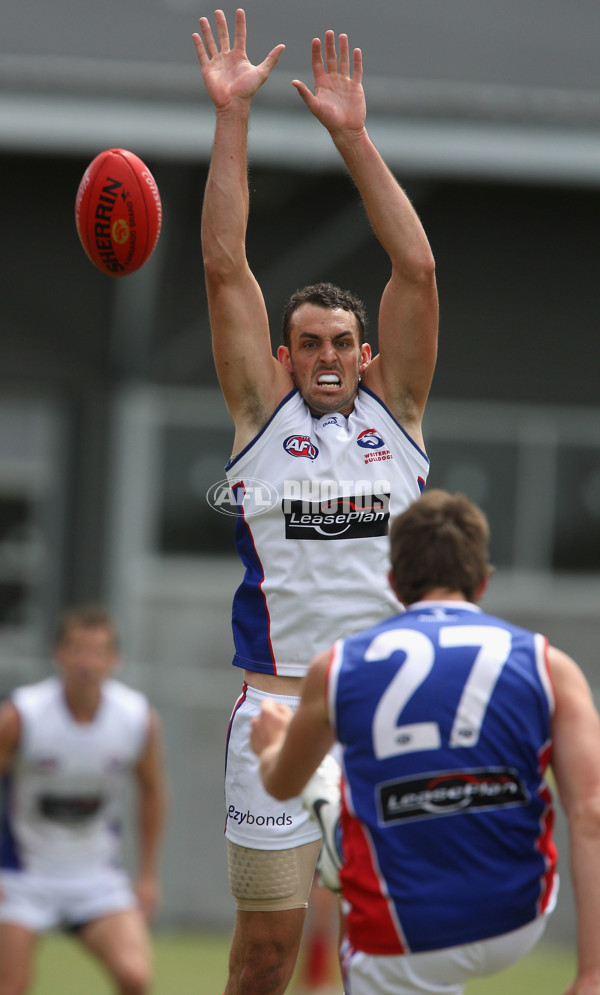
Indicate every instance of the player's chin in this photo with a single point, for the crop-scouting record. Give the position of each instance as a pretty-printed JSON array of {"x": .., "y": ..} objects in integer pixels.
[{"x": 327, "y": 401}]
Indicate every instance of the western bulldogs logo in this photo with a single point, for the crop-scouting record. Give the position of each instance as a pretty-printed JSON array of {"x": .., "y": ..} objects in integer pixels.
[
  {"x": 300, "y": 445},
  {"x": 369, "y": 439}
]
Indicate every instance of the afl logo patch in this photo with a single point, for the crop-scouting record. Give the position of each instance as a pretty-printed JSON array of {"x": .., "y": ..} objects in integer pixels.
[
  {"x": 369, "y": 439},
  {"x": 300, "y": 445}
]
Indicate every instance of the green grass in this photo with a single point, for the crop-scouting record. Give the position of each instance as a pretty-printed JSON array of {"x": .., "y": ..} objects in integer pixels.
[
  {"x": 546, "y": 971},
  {"x": 195, "y": 964},
  {"x": 185, "y": 964}
]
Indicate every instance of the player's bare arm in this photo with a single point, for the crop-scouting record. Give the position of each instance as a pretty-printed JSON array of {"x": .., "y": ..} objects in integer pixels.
[
  {"x": 576, "y": 766},
  {"x": 252, "y": 381},
  {"x": 151, "y": 817},
  {"x": 10, "y": 730},
  {"x": 408, "y": 318},
  {"x": 291, "y": 746}
]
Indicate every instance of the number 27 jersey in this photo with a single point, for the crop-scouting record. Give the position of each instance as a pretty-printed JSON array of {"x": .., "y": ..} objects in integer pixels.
[{"x": 444, "y": 716}]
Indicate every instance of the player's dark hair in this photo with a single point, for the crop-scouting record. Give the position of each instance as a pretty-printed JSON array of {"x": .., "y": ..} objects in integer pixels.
[
  {"x": 441, "y": 541},
  {"x": 325, "y": 295},
  {"x": 90, "y": 615}
]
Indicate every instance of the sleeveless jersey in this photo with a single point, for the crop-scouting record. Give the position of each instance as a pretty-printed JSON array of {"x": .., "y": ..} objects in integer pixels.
[
  {"x": 61, "y": 811},
  {"x": 444, "y": 716},
  {"x": 314, "y": 498}
]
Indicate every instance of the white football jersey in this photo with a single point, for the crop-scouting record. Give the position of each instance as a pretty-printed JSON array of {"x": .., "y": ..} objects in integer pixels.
[
  {"x": 315, "y": 496},
  {"x": 62, "y": 798}
]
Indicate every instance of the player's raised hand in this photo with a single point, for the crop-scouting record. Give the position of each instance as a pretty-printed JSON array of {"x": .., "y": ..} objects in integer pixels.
[
  {"x": 339, "y": 100},
  {"x": 227, "y": 72}
]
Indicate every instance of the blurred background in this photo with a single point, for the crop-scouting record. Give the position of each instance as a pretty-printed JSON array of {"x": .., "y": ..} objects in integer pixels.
[{"x": 112, "y": 427}]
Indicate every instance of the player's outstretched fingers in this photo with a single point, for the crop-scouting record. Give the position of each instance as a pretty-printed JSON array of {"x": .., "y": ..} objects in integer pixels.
[
  {"x": 206, "y": 45},
  {"x": 222, "y": 30},
  {"x": 344, "y": 56},
  {"x": 330, "y": 52}
]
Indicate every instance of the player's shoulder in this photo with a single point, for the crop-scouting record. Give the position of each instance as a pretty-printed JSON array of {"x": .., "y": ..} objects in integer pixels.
[
  {"x": 518, "y": 632},
  {"x": 253, "y": 432},
  {"x": 123, "y": 697},
  {"x": 399, "y": 421},
  {"x": 36, "y": 696},
  {"x": 126, "y": 716}
]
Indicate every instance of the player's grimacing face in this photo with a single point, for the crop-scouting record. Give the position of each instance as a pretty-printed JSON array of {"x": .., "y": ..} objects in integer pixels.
[{"x": 325, "y": 357}]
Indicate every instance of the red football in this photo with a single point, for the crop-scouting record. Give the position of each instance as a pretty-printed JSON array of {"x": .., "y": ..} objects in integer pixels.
[{"x": 118, "y": 212}]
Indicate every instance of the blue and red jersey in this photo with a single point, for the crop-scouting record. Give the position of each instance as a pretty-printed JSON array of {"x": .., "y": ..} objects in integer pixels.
[{"x": 444, "y": 716}]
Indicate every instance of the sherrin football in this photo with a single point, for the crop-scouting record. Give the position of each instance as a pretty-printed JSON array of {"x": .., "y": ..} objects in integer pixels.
[{"x": 118, "y": 212}]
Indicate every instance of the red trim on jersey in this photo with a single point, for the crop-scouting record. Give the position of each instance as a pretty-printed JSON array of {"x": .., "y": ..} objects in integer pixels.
[
  {"x": 545, "y": 842},
  {"x": 371, "y": 924}
]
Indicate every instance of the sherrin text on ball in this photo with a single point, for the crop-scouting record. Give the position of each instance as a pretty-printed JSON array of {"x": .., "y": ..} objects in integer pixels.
[{"x": 118, "y": 212}]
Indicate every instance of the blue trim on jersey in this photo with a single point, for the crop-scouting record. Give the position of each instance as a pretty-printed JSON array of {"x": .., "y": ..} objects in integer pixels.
[
  {"x": 395, "y": 420},
  {"x": 250, "y": 617},
  {"x": 9, "y": 852},
  {"x": 234, "y": 459}
]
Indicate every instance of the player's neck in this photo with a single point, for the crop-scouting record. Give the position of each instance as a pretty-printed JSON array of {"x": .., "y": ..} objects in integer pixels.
[
  {"x": 443, "y": 594},
  {"x": 83, "y": 704}
]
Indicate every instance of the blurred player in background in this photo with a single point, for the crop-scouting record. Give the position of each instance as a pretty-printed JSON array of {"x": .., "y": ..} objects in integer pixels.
[
  {"x": 68, "y": 745},
  {"x": 335, "y": 432},
  {"x": 448, "y": 718}
]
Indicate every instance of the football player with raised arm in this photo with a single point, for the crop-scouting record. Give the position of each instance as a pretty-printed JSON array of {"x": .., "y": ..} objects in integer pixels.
[{"x": 336, "y": 433}]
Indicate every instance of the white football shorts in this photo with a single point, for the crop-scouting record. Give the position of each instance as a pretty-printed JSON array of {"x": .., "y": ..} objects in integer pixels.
[
  {"x": 254, "y": 818},
  {"x": 43, "y": 902}
]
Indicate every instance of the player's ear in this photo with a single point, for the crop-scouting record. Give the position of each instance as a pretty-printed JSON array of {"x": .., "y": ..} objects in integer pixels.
[
  {"x": 365, "y": 357},
  {"x": 482, "y": 588},
  {"x": 283, "y": 355},
  {"x": 392, "y": 583}
]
